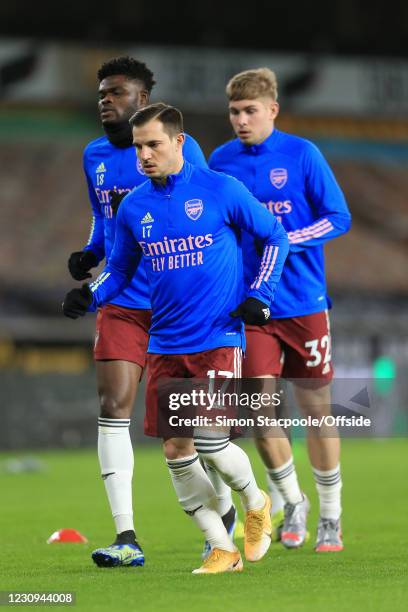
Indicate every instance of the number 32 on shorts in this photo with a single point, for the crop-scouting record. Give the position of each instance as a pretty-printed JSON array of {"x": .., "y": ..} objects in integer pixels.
[{"x": 320, "y": 351}]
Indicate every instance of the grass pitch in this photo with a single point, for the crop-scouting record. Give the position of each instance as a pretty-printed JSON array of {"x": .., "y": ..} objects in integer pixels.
[{"x": 370, "y": 574}]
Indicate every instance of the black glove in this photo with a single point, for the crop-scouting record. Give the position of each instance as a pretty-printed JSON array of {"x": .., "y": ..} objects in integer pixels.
[
  {"x": 80, "y": 262},
  {"x": 115, "y": 199},
  {"x": 252, "y": 311},
  {"x": 77, "y": 301}
]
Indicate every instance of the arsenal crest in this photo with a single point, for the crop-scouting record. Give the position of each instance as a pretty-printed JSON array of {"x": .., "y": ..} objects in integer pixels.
[
  {"x": 279, "y": 177},
  {"x": 139, "y": 167},
  {"x": 194, "y": 208}
]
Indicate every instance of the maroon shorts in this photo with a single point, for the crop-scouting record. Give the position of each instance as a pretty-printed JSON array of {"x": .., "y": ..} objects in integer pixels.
[
  {"x": 219, "y": 363},
  {"x": 122, "y": 333},
  {"x": 299, "y": 347}
]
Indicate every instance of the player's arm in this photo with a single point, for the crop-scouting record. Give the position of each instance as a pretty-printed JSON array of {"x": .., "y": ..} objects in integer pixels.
[
  {"x": 116, "y": 275},
  {"x": 192, "y": 152},
  {"x": 332, "y": 216},
  {"x": 247, "y": 213},
  {"x": 80, "y": 262}
]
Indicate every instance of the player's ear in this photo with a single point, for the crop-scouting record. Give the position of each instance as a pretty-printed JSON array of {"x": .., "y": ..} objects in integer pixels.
[
  {"x": 180, "y": 138},
  {"x": 274, "y": 109},
  {"x": 143, "y": 98}
]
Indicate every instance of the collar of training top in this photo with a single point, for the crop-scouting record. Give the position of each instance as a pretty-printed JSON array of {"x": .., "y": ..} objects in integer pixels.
[
  {"x": 267, "y": 145},
  {"x": 173, "y": 180}
]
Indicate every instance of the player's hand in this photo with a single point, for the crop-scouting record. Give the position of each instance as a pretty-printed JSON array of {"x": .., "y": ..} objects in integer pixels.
[
  {"x": 115, "y": 199},
  {"x": 252, "y": 312},
  {"x": 77, "y": 301},
  {"x": 79, "y": 264}
]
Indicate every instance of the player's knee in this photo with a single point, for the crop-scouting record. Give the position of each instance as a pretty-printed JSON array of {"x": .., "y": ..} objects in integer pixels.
[
  {"x": 113, "y": 407},
  {"x": 176, "y": 448},
  {"x": 313, "y": 401}
]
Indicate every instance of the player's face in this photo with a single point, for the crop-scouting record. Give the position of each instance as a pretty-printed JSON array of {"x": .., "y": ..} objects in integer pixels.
[
  {"x": 120, "y": 98},
  {"x": 159, "y": 153},
  {"x": 253, "y": 120}
]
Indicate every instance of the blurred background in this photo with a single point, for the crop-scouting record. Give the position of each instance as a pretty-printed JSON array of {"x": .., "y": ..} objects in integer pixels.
[{"x": 343, "y": 83}]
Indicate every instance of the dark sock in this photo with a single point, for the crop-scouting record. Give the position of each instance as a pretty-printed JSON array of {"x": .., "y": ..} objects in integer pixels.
[
  {"x": 229, "y": 518},
  {"x": 126, "y": 537}
]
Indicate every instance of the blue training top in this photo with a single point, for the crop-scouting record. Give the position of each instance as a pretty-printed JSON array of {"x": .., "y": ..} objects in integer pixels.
[
  {"x": 292, "y": 179},
  {"x": 188, "y": 235},
  {"x": 109, "y": 168}
]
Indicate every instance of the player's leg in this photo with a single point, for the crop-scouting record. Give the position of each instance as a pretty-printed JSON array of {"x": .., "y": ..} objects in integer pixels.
[
  {"x": 197, "y": 497},
  {"x": 278, "y": 502},
  {"x": 120, "y": 333},
  {"x": 229, "y": 460},
  {"x": 117, "y": 387},
  {"x": 264, "y": 359},
  {"x": 324, "y": 454},
  {"x": 277, "y": 509},
  {"x": 193, "y": 488},
  {"x": 309, "y": 366},
  {"x": 233, "y": 464},
  {"x": 276, "y": 453},
  {"x": 222, "y": 490},
  {"x": 225, "y": 507}
]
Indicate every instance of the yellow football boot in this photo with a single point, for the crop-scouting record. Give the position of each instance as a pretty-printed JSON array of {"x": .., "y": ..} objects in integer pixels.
[
  {"x": 258, "y": 531},
  {"x": 219, "y": 561}
]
